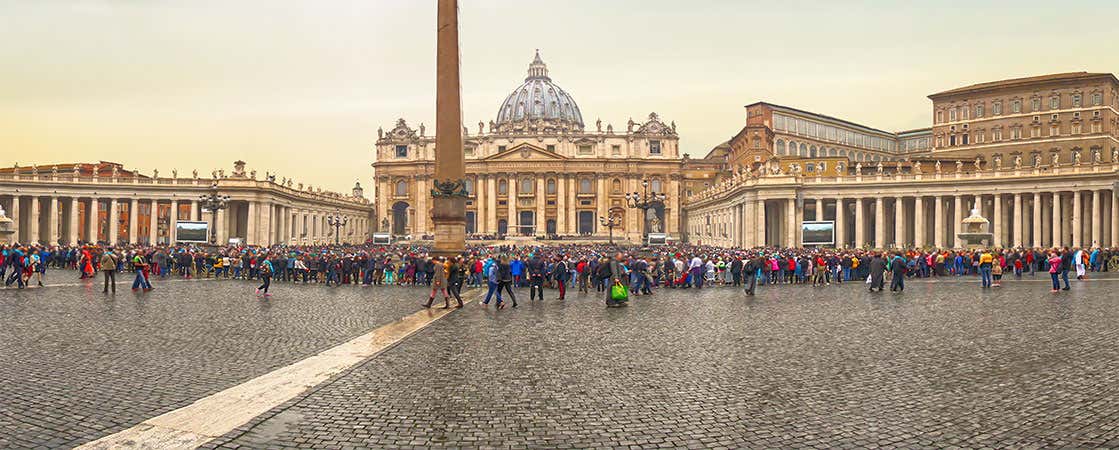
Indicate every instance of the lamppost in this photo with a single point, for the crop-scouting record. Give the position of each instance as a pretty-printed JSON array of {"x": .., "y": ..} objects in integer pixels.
[
  {"x": 213, "y": 202},
  {"x": 611, "y": 223},
  {"x": 337, "y": 221},
  {"x": 643, "y": 201}
]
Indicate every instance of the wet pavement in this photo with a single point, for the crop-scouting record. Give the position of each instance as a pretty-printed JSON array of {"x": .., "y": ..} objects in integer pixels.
[{"x": 78, "y": 365}]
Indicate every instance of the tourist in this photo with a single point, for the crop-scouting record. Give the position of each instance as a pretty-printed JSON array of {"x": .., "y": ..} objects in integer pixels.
[
  {"x": 439, "y": 284},
  {"x": 108, "y": 265},
  {"x": 877, "y": 267},
  {"x": 561, "y": 274},
  {"x": 140, "y": 265},
  {"x": 897, "y": 266},
  {"x": 265, "y": 271},
  {"x": 1054, "y": 269}
]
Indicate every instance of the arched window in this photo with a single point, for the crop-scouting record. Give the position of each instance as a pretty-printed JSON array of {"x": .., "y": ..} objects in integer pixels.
[
  {"x": 792, "y": 148},
  {"x": 526, "y": 186},
  {"x": 616, "y": 186},
  {"x": 656, "y": 185},
  {"x": 780, "y": 147},
  {"x": 401, "y": 188},
  {"x": 803, "y": 149},
  {"x": 551, "y": 186},
  {"x": 585, "y": 186},
  {"x": 812, "y": 152},
  {"x": 502, "y": 187},
  {"x": 469, "y": 186}
]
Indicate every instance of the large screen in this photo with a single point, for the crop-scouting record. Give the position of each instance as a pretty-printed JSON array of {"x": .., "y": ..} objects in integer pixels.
[
  {"x": 817, "y": 232},
  {"x": 192, "y": 232}
]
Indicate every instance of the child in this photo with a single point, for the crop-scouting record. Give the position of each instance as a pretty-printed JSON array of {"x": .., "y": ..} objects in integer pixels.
[{"x": 996, "y": 273}]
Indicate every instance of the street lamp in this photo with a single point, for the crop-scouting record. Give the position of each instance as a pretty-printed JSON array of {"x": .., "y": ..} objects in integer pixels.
[
  {"x": 643, "y": 201},
  {"x": 213, "y": 202},
  {"x": 337, "y": 221},
  {"x": 611, "y": 223}
]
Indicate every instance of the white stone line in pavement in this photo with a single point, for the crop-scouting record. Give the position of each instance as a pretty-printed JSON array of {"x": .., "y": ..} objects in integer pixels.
[
  {"x": 99, "y": 283},
  {"x": 220, "y": 413}
]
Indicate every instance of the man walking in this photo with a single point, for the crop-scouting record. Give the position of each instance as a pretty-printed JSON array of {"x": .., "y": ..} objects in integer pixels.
[
  {"x": 560, "y": 273},
  {"x": 749, "y": 272},
  {"x": 108, "y": 264},
  {"x": 877, "y": 267}
]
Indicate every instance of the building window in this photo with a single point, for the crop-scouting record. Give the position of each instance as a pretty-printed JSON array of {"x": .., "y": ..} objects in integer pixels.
[
  {"x": 1054, "y": 130},
  {"x": 551, "y": 186},
  {"x": 996, "y": 108},
  {"x": 585, "y": 186},
  {"x": 1076, "y": 128},
  {"x": 939, "y": 116},
  {"x": 468, "y": 151},
  {"x": 1035, "y": 103},
  {"x": 501, "y": 148},
  {"x": 965, "y": 139},
  {"x": 585, "y": 150},
  {"x": 952, "y": 140},
  {"x": 757, "y": 142},
  {"x": 952, "y": 115},
  {"x": 978, "y": 111},
  {"x": 526, "y": 186},
  {"x": 1095, "y": 114},
  {"x": 1075, "y": 100},
  {"x": 1076, "y": 115},
  {"x": 1097, "y": 99},
  {"x": 979, "y": 137},
  {"x": 616, "y": 186},
  {"x": 1015, "y": 106},
  {"x": 656, "y": 185},
  {"x": 402, "y": 151},
  {"x": 616, "y": 150},
  {"x": 997, "y": 134},
  {"x": 1055, "y": 102},
  {"x": 401, "y": 188},
  {"x": 1015, "y": 133},
  {"x": 654, "y": 147},
  {"x": 502, "y": 187},
  {"x": 1035, "y": 131},
  {"x": 780, "y": 150},
  {"x": 551, "y": 148},
  {"x": 469, "y": 186}
]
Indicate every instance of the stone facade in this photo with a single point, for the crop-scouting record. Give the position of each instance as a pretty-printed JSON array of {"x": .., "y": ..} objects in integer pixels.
[
  {"x": 1040, "y": 186},
  {"x": 54, "y": 205}
]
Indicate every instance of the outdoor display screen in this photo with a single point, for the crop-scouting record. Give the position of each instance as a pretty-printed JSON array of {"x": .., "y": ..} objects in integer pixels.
[
  {"x": 818, "y": 232},
  {"x": 192, "y": 232}
]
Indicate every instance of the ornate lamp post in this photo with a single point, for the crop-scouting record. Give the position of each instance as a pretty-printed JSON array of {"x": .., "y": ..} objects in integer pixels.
[
  {"x": 213, "y": 202},
  {"x": 643, "y": 201},
  {"x": 611, "y": 223},
  {"x": 337, "y": 221}
]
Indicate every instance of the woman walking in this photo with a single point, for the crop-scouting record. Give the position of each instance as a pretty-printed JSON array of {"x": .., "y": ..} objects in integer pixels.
[
  {"x": 265, "y": 270},
  {"x": 439, "y": 284}
]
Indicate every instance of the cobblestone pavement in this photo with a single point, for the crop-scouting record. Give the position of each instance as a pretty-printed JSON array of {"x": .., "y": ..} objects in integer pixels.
[
  {"x": 77, "y": 365},
  {"x": 941, "y": 365}
]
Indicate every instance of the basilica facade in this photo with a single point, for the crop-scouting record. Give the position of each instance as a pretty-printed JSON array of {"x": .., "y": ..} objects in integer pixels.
[{"x": 537, "y": 169}]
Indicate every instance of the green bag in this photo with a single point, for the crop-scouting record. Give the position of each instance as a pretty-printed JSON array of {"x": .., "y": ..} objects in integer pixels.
[{"x": 619, "y": 293}]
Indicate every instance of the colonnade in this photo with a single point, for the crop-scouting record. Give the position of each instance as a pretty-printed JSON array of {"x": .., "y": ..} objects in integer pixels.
[{"x": 1073, "y": 211}]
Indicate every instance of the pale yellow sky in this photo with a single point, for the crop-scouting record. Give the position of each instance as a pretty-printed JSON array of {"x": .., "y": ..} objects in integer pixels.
[{"x": 299, "y": 87}]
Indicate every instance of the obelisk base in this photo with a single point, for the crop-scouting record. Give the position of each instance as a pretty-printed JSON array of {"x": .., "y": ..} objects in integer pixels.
[{"x": 449, "y": 216}]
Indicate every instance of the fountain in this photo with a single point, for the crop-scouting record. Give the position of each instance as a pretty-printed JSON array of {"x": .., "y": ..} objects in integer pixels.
[
  {"x": 7, "y": 228},
  {"x": 975, "y": 231}
]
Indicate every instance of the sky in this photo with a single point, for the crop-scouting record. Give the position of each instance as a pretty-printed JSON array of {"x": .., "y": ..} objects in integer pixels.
[{"x": 299, "y": 88}]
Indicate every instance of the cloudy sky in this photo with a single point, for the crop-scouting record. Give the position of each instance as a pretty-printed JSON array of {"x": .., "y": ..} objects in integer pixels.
[{"x": 300, "y": 87}]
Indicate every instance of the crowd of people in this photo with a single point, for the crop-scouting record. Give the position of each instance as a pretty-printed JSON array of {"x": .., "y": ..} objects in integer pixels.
[{"x": 584, "y": 266}]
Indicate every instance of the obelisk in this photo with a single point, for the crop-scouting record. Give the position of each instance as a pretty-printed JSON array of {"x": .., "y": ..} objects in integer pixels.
[{"x": 449, "y": 192}]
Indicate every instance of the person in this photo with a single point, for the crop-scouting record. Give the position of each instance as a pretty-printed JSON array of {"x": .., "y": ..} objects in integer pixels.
[
  {"x": 439, "y": 284},
  {"x": 996, "y": 273},
  {"x": 897, "y": 268},
  {"x": 1066, "y": 265},
  {"x": 617, "y": 277},
  {"x": 505, "y": 282},
  {"x": 493, "y": 281},
  {"x": 140, "y": 265},
  {"x": 265, "y": 270},
  {"x": 1054, "y": 270},
  {"x": 37, "y": 267},
  {"x": 16, "y": 262},
  {"x": 877, "y": 272},
  {"x": 456, "y": 276},
  {"x": 535, "y": 269},
  {"x": 749, "y": 271},
  {"x": 985, "y": 260},
  {"x": 108, "y": 264},
  {"x": 560, "y": 273}
]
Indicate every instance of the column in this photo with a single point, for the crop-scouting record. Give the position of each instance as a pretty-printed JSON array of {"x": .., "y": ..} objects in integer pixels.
[
  {"x": 193, "y": 210},
  {"x": 72, "y": 221},
  {"x": 572, "y": 205},
  {"x": 172, "y": 222},
  {"x": 480, "y": 204},
  {"x": 958, "y": 218},
  {"x": 52, "y": 222},
  {"x": 760, "y": 209},
  {"x": 541, "y": 219},
  {"x": 673, "y": 216},
  {"x": 511, "y": 211},
  {"x": 860, "y": 224},
  {"x": 840, "y": 224},
  {"x": 422, "y": 194},
  {"x": 791, "y": 223},
  {"x": 250, "y": 228},
  {"x": 133, "y": 220},
  {"x": 1115, "y": 217},
  {"x": 1097, "y": 218},
  {"x": 899, "y": 222},
  {"x": 491, "y": 207},
  {"x": 938, "y": 221},
  {"x": 114, "y": 221},
  {"x": 997, "y": 222},
  {"x": 879, "y": 223},
  {"x": 1016, "y": 220},
  {"x": 1077, "y": 209},
  {"x": 602, "y": 200},
  {"x": 749, "y": 224},
  {"x": 153, "y": 226},
  {"x": 919, "y": 222},
  {"x": 93, "y": 220},
  {"x": 819, "y": 209},
  {"x": 13, "y": 213},
  {"x": 631, "y": 227},
  {"x": 1058, "y": 235},
  {"x": 33, "y": 221},
  {"x": 1037, "y": 220},
  {"x": 561, "y": 204}
]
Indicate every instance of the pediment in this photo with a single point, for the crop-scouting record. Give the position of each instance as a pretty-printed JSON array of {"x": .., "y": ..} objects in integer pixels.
[{"x": 525, "y": 152}]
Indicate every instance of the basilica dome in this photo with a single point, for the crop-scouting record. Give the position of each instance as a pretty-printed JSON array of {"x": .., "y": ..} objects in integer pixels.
[{"x": 539, "y": 103}]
